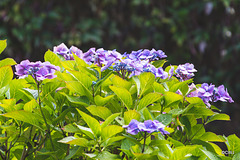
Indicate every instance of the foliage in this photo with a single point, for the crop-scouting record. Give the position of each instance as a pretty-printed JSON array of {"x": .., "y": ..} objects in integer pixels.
[
  {"x": 81, "y": 112},
  {"x": 204, "y": 32}
]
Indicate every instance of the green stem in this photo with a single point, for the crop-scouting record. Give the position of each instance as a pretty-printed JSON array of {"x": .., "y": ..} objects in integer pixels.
[
  {"x": 44, "y": 118},
  {"x": 6, "y": 143},
  {"x": 93, "y": 91},
  {"x": 144, "y": 142},
  {"x": 203, "y": 124}
]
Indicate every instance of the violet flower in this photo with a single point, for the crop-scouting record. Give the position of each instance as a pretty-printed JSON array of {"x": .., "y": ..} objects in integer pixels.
[
  {"x": 148, "y": 126},
  {"x": 205, "y": 92},
  {"x": 185, "y": 71},
  {"x": 38, "y": 70},
  {"x": 61, "y": 49},
  {"x": 222, "y": 95},
  {"x": 209, "y": 93},
  {"x": 161, "y": 73},
  {"x": 76, "y": 51},
  {"x": 132, "y": 128}
]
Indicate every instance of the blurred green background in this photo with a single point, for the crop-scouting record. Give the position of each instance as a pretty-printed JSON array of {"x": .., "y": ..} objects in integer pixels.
[{"x": 203, "y": 32}]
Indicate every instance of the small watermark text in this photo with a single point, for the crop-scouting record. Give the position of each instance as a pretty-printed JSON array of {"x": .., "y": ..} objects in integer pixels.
[{"x": 227, "y": 152}]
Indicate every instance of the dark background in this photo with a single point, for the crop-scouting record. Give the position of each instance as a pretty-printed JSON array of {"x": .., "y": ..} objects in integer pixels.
[{"x": 203, "y": 32}]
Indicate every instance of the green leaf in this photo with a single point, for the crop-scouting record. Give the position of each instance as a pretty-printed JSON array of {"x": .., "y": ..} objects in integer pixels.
[
  {"x": 148, "y": 99},
  {"x": 197, "y": 130},
  {"x": 29, "y": 106},
  {"x": 171, "y": 97},
  {"x": 100, "y": 101},
  {"x": 49, "y": 88},
  {"x": 159, "y": 63},
  {"x": 69, "y": 65},
  {"x": 77, "y": 100},
  {"x": 236, "y": 156},
  {"x": 146, "y": 81},
  {"x": 91, "y": 122},
  {"x": 210, "y": 137},
  {"x": 147, "y": 115},
  {"x": 3, "y": 90},
  {"x": 145, "y": 156},
  {"x": 233, "y": 143},
  {"x": 7, "y": 62},
  {"x": 199, "y": 111},
  {"x": 175, "y": 142},
  {"x": 8, "y": 104},
  {"x": 87, "y": 131},
  {"x": 182, "y": 151},
  {"x": 52, "y": 58},
  {"x": 119, "y": 82},
  {"x": 64, "y": 76},
  {"x": 85, "y": 81},
  {"x": 6, "y": 75},
  {"x": 216, "y": 148},
  {"x": 210, "y": 155},
  {"x": 109, "y": 120},
  {"x": 102, "y": 112},
  {"x": 157, "y": 87},
  {"x": 25, "y": 116},
  {"x": 103, "y": 81},
  {"x": 75, "y": 141},
  {"x": 131, "y": 114},
  {"x": 111, "y": 140},
  {"x": 71, "y": 128},
  {"x": 3, "y": 45},
  {"x": 124, "y": 95},
  {"x": 206, "y": 145},
  {"x": 137, "y": 83},
  {"x": 105, "y": 155},
  {"x": 110, "y": 131},
  {"x": 76, "y": 87},
  {"x": 195, "y": 100},
  {"x": 165, "y": 119},
  {"x": 182, "y": 86},
  {"x": 15, "y": 86},
  {"x": 218, "y": 116},
  {"x": 80, "y": 62}
]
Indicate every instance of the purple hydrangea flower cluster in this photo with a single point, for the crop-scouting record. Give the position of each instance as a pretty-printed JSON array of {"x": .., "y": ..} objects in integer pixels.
[
  {"x": 63, "y": 50},
  {"x": 148, "y": 126},
  {"x": 126, "y": 65},
  {"x": 38, "y": 70},
  {"x": 210, "y": 93},
  {"x": 150, "y": 55},
  {"x": 185, "y": 71}
]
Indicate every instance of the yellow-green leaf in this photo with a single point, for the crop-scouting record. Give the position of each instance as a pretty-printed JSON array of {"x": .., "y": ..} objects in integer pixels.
[
  {"x": 124, "y": 95},
  {"x": 131, "y": 114},
  {"x": 6, "y": 75},
  {"x": 7, "y": 61},
  {"x": 91, "y": 122},
  {"x": 102, "y": 112},
  {"x": 110, "y": 131},
  {"x": 3, "y": 45},
  {"x": 75, "y": 141},
  {"x": 148, "y": 99},
  {"x": 29, "y": 106}
]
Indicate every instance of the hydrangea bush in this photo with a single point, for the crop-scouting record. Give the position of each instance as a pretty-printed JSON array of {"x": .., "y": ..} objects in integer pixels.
[{"x": 101, "y": 104}]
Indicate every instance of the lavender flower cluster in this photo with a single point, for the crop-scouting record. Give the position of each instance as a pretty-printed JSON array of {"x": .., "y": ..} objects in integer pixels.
[
  {"x": 185, "y": 71},
  {"x": 38, "y": 70},
  {"x": 126, "y": 65},
  {"x": 148, "y": 126},
  {"x": 210, "y": 93}
]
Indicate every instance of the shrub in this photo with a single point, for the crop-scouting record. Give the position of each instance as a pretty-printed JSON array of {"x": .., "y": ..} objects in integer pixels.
[{"x": 101, "y": 104}]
